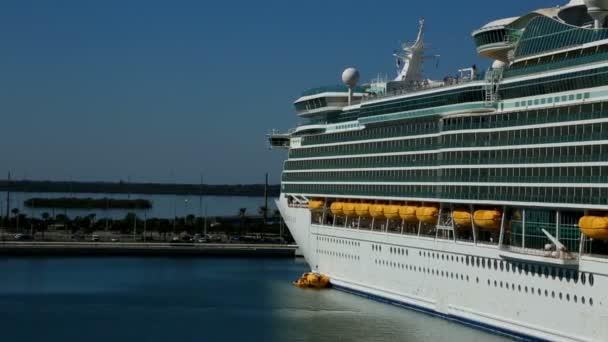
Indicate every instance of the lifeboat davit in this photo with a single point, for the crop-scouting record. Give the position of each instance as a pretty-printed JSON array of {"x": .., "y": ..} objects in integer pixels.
[
  {"x": 316, "y": 204},
  {"x": 408, "y": 213},
  {"x": 462, "y": 217},
  {"x": 427, "y": 214},
  {"x": 391, "y": 212},
  {"x": 595, "y": 227},
  {"x": 487, "y": 219},
  {"x": 349, "y": 209},
  {"x": 362, "y": 209},
  {"x": 377, "y": 211},
  {"x": 337, "y": 208}
]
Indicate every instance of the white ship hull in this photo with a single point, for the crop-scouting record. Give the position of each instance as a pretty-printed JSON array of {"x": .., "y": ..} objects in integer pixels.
[{"x": 470, "y": 283}]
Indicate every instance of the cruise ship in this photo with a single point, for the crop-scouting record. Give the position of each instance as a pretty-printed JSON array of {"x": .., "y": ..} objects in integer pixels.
[{"x": 481, "y": 197}]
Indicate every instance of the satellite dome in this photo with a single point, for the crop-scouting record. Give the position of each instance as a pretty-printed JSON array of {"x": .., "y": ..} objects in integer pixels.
[
  {"x": 350, "y": 77},
  {"x": 498, "y": 64}
]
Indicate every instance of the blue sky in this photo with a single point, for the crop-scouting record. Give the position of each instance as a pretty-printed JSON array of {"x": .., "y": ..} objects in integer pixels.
[{"x": 162, "y": 91}]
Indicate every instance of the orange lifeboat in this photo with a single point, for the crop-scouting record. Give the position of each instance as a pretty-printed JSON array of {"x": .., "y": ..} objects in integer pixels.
[
  {"x": 377, "y": 211},
  {"x": 427, "y": 214},
  {"x": 595, "y": 227},
  {"x": 362, "y": 209},
  {"x": 316, "y": 204},
  {"x": 337, "y": 208},
  {"x": 462, "y": 217},
  {"x": 487, "y": 219},
  {"x": 349, "y": 209},
  {"x": 391, "y": 212},
  {"x": 408, "y": 213}
]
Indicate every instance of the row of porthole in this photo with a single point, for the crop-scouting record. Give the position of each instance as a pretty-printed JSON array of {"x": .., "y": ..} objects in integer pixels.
[
  {"x": 398, "y": 265},
  {"x": 338, "y": 254},
  {"x": 339, "y": 241},
  {"x": 539, "y": 292},
  {"x": 457, "y": 276},
  {"x": 399, "y": 251},
  {"x": 525, "y": 268}
]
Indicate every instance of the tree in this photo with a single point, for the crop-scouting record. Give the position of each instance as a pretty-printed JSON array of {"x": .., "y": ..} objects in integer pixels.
[
  {"x": 15, "y": 212},
  {"x": 242, "y": 212}
]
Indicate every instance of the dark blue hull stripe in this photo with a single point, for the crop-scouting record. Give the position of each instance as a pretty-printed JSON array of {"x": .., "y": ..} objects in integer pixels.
[{"x": 468, "y": 322}]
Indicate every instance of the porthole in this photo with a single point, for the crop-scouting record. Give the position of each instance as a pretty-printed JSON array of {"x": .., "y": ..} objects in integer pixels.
[
  {"x": 483, "y": 263},
  {"x": 552, "y": 294},
  {"x": 519, "y": 288},
  {"x": 553, "y": 273},
  {"x": 575, "y": 277},
  {"x": 501, "y": 284},
  {"x": 560, "y": 295},
  {"x": 526, "y": 288},
  {"x": 502, "y": 265},
  {"x": 583, "y": 278},
  {"x": 546, "y": 293},
  {"x": 540, "y": 292},
  {"x": 568, "y": 297},
  {"x": 568, "y": 276},
  {"x": 590, "y": 279},
  {"x": 591, "y": 301},
  {"x": 560, "y": 274},
  {"x": 468, "y": 261},
  {"x": 582, "y": 299},
  {"x": 495, "y": 265},
  {"x": 526, "y": 269},
  {"x": 508, "y": 267},
  {"x": 488, "y": 282},
  {"x": 477, "y": 261},
  {"x": 477, "y": 280}
]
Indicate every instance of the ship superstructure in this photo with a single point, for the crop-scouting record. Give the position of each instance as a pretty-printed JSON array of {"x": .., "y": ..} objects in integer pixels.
[{"x": 482, "y": 197}]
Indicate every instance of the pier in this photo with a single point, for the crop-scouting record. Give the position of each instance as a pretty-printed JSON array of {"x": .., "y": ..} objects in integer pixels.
[{"x": 146, "y": 249}]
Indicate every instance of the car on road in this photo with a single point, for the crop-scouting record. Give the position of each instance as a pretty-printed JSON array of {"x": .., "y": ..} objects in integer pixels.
[
  {"x": 95, "y": 238},
  {"x": 23, "y": 237}
]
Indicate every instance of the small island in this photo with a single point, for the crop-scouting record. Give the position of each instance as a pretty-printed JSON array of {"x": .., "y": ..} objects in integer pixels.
[{"x": 88, "y": 203}]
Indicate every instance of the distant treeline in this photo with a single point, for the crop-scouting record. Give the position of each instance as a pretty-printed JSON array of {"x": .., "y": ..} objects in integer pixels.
[
  {"x": 251, "y": 190},
  {"x": 87, "y": 203}
]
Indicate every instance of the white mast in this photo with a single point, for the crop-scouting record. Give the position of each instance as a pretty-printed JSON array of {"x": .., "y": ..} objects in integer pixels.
[{"x": 412, "y": 58}]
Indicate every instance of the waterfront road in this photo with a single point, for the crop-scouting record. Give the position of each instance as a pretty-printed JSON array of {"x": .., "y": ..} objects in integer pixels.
[{"x": 145, "y": 249}]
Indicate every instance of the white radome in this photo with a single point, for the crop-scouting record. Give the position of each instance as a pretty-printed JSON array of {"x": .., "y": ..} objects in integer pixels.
[
  {"x": 498, "y": 65},
  {"x": 350, "y": 77}
]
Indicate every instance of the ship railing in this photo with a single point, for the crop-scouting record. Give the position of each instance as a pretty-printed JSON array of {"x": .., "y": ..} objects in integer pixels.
[{"x": 446, "y": 83}]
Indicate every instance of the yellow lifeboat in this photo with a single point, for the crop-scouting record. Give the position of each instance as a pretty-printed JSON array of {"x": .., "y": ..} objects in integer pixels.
[
  {"x": 362, "y": 209},
  {"x": 313, "y": 280},
  {"x": 349, "y": 209},
  {"x": 487, "y": 219},
  {"x": 316, "y": 204},
  {"x": 391, "y": 212},
  {"x": 427, "y": 214},
  {"x": 595, "y": 227},
  {"x": 462, "y": 217},
  {"x": 408, "y": 213},
  {"x": 337, "y": 208},
  {"x": 377, "y": 211}
]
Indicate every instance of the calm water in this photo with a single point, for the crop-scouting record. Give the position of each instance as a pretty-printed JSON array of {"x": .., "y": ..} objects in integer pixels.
[
  {"x": 163, "y": 206},
  {"x": 163, "y": 299}
]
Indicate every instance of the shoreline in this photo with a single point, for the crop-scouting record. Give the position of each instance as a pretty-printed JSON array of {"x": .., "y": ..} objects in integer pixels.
[{"x": 110, "y": 249}]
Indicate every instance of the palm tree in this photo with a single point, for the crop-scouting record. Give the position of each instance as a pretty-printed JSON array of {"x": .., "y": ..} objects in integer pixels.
[
  {"x": 242, "y": 212},
  {"x": 45, "y": 217},
  {"x": 15, "y": 212}
]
